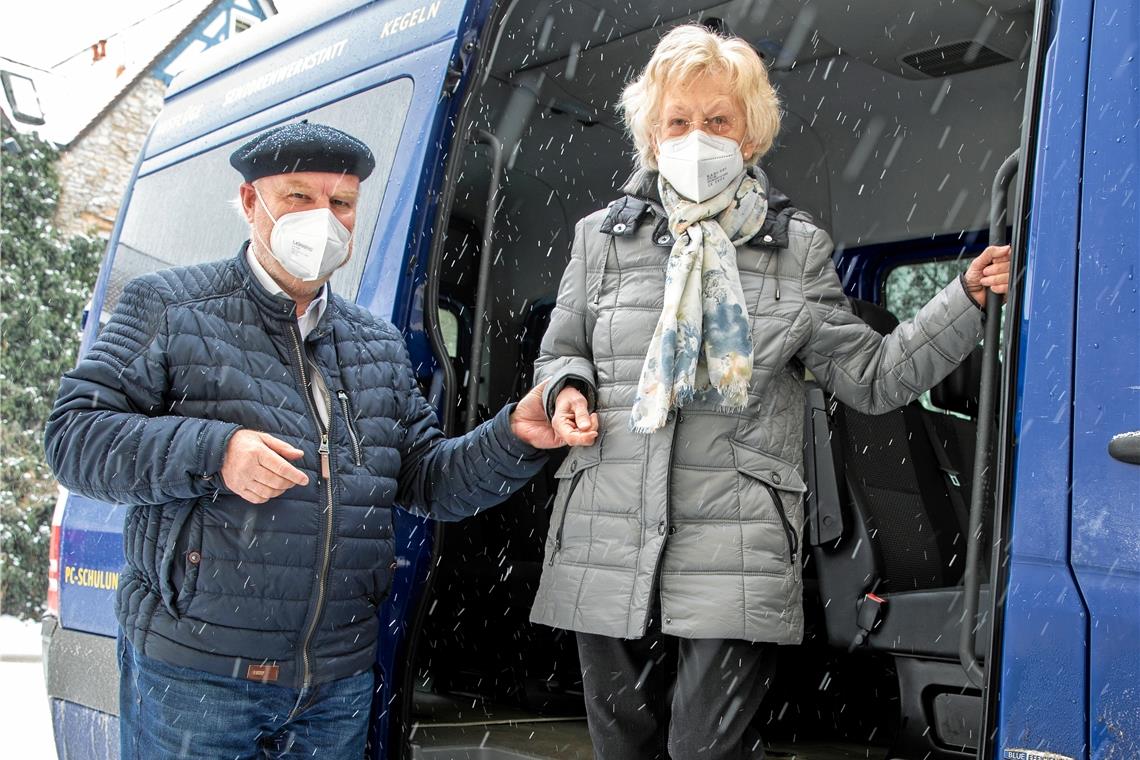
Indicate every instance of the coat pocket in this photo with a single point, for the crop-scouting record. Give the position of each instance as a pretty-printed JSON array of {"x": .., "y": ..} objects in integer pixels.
[
  {"x": 784, "y": 486},
  {"x": 181, "y": 560},
  {"x": 569, "y": 476},
  {"x": 350, "y": 425}
]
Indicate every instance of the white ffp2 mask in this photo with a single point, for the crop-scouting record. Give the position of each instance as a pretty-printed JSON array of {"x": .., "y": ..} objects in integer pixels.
[
  {"x": 699, "y": 165},
  {"x": 310, "y": 245}
]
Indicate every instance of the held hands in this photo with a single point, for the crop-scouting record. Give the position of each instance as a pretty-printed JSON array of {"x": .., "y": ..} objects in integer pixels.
[
  {"x": 529, "y": 423},
  {"x": 572, "y": 423},
  {"x": 572, "y": 420},
  {"x": 255, "y": 466},
  {"x": 990, "y": 270}
]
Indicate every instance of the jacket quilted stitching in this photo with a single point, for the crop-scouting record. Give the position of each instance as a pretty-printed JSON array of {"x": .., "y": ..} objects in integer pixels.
[{"x": 216, "y": 583}]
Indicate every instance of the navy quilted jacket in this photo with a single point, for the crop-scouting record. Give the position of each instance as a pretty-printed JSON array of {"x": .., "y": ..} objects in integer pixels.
[{"x": 286, "y": 591}]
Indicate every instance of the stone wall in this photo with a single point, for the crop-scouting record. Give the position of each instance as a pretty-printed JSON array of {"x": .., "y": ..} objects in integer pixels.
[{"x": 95, "y": 169}]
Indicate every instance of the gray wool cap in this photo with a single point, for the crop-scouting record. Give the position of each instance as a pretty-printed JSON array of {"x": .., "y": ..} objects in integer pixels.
[{"x": 302, "y": 147}]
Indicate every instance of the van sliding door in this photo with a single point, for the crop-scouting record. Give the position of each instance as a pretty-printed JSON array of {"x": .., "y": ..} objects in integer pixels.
[{"x": 1066, "y": 665}]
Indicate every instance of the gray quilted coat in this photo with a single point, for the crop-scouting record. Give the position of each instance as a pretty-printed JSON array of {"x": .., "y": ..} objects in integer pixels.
[{"x": 707, "y": 512}]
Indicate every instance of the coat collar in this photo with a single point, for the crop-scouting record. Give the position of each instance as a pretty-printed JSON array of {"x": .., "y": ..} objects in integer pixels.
[
  {"x": 279, "y": 306},
  {"x": 642, "y": 186}
]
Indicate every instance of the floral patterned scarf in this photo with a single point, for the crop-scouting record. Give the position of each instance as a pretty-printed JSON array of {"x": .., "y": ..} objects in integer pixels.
[{"x": 704, "y": 305}]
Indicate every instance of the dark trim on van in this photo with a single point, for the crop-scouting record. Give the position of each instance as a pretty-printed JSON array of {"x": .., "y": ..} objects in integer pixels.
[
  {"x": 80, "y": 667},
  {"x": 399, "y": 734},
  {"x": 1007, "y": 406}
]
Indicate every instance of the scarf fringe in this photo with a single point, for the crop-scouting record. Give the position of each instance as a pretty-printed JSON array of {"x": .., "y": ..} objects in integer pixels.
[
  {"x": 734, "y": 392},
  {"x": 648, "y": 424}
]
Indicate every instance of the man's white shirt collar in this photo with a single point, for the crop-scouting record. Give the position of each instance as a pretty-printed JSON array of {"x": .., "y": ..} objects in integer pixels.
[{"x": 305, "y": 322}]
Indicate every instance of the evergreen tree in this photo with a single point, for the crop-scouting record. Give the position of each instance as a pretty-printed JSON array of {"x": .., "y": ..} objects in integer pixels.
[{"x": 44, "y": 283}]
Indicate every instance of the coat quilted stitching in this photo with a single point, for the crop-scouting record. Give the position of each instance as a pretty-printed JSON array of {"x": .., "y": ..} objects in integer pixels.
[{"x": 718, "y": 575}]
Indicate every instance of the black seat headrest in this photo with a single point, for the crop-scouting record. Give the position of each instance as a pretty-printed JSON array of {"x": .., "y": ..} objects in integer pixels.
[
  {"x": 959, "y": 391},
  {"x": 876, "y": 317}
]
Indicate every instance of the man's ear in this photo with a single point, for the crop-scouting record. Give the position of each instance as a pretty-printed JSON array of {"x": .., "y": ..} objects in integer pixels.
[{"x": 248, "y": 200}]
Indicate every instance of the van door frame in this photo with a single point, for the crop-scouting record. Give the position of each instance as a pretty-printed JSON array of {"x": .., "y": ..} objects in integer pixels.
[
  {"x": 1009, "y": 407},
  {"x": 464, "y": 82},
  {"x": 491, "y": 16}
]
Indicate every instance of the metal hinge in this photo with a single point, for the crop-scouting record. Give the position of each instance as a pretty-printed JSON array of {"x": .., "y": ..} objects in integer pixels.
[{"x": 458, "y": 66}]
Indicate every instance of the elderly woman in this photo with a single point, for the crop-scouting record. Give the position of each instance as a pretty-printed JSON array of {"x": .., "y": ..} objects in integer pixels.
[{"x": 685, "y": 319}]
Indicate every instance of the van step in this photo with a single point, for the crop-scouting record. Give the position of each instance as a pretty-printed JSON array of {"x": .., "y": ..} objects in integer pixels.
[
  {"x": 569, "y": 739},
  {"x": 509, "y": 740}
]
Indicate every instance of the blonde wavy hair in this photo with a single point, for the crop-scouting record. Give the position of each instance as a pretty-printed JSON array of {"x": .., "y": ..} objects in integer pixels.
[{"x": 685, "y": 54}]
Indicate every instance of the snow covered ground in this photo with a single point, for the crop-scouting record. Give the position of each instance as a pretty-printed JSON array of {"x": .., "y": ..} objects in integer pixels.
[{"x": 25, "y": 723}]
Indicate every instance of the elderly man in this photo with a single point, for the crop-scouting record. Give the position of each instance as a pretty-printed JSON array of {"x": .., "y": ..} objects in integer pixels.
[{"x": 261, "y": 428}]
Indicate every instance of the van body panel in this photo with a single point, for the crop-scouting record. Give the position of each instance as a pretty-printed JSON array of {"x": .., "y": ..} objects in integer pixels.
[
  {"x": 1105, "y": 552},
  {"x": 91, "y": 556},
  {"x": 1045, "y": 619},
  {"x": 1071, "y": 618},
  {"x": 87, "y": 734},
  {"x": 382, "y": 43},
  {"x": 343, "y": 44},
  {"x": 1068, "y": 663}
]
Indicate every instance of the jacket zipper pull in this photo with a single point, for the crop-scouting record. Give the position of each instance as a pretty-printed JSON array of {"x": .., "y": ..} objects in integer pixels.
[{"x": 326, "y": 471}]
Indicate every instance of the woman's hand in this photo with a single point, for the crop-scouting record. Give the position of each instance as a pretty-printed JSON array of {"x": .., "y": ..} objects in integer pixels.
[
  {"x": 990, "y": 270},
  {"x": 572, "y": 420}
]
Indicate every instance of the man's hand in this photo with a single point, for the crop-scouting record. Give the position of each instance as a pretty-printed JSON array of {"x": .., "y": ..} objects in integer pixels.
[
  {"x": 529, "y": 423},
  {"x": 572, "y": 421},
  {"x": 990, "y": 270},
  {"x": 255, "y": 466}
]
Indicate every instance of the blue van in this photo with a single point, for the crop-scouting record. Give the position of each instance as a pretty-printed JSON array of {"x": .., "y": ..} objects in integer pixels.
[{"x": 973, "y": 579}]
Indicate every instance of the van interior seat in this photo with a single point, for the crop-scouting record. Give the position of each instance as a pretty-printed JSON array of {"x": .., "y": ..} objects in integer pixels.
[
  {"x": 894, "y": 529},
  {"x": 887, "y": 535}
]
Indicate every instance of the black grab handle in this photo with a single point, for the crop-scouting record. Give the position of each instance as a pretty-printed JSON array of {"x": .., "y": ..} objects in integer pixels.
[
  {"x": 980, "y": 484},
  {"x": 483, "y": 284}
]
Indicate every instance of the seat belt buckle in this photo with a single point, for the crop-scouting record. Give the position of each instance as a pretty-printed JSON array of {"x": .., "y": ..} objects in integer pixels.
[
  {"x": 954, "y": 479},
  {"x": 870, "y": 612}
]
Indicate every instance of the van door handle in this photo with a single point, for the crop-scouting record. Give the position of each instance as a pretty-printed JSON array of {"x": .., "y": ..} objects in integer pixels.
[{"x": 1125, "y": 447}]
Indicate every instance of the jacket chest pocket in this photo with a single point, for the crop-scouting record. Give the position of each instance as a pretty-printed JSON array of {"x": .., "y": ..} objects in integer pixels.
[
  {"x": 773, "y": 344},
  {"x": 355, "y": 442},
  {"x": 570, "y": 476}
]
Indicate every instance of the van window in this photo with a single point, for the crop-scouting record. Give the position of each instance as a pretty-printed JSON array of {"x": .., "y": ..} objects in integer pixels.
[
  {"x": 908, "y": 287},
  {"x": 184, "y": 214},
  {"x": 449, "y": 327}
]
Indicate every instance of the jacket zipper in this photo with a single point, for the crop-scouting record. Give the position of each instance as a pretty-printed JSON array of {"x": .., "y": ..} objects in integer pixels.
[
  {"x": 326, "y": 475},
  {"x": 351, "y": 428},
  {"x": 562, "y": 519},
  {"x": 789, "y": 531}
]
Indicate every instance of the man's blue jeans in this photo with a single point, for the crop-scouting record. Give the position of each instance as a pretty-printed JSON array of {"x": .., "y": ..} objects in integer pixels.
[{"x": 171, "y": 712}]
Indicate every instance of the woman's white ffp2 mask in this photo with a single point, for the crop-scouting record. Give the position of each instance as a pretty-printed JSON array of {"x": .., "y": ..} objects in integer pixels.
[
  {"x": 310, "y": 245},
  {"x": 699, "y": 165}
]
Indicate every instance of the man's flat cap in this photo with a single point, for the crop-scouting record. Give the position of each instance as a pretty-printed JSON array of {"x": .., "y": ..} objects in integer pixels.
[{"x": 302, "y": 147}]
